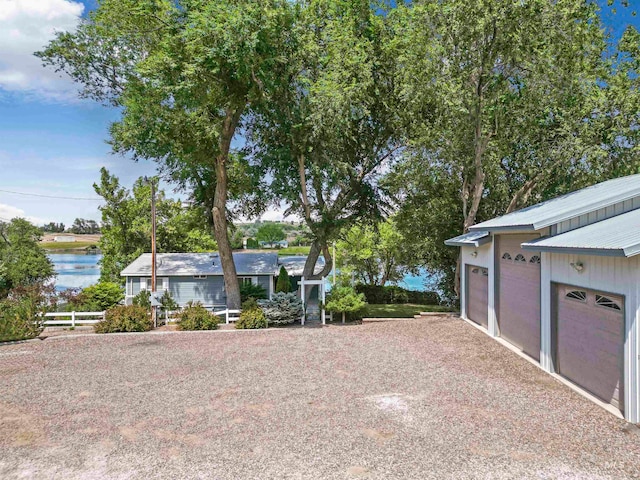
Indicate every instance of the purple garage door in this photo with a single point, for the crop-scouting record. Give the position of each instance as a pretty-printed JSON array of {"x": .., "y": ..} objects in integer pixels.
[
  {"x": 478, "y": 295},
  {"x": 590, "y": 341},
  {"x": 519, "y": 294}
]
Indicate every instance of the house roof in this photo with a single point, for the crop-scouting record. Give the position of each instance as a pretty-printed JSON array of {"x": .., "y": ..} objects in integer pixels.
[
  {"x": 187, "y": 264},
  {"x": 471, "y": 239},
  {"x": 617, "y": 236},
  {"x": 295, "y": 264},
  {"x": 566, "y": 207}
]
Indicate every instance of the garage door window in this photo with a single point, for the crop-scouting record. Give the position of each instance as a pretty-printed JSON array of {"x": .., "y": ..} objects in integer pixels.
[
  {"x": 577, "y": 295},
  {"x": 506, "y": 256},
  {"x": 535, "y": 259},
  {"x": 520, "y": 259},
  {"x": 606, "y": 302}
]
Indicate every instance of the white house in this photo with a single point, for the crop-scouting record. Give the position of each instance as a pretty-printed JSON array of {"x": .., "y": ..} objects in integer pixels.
[{"x": 559, "y": 282}]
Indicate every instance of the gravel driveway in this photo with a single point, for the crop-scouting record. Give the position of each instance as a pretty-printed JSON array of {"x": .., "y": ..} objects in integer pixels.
[{"x": 415, "y": 399}]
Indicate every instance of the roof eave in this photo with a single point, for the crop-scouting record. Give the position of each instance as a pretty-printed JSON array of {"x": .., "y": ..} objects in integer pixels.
[{"x": 601, "y": 252}]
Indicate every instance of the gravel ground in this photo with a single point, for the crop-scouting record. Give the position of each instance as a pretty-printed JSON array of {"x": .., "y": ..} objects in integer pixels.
[{"x": 430, "y": 398}]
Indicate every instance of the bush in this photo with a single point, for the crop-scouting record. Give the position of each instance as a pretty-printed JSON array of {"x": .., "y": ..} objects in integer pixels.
[
  {"x": 393, "y": 294},
  {"x": 22, "y": 312},
  {"x": 251, "y": 290},
  {"x": 102, "y": 296},
  {"x": 125, "y": 318},
  {"x": 251, "y": 316},
  {"x": 143, "y": 299},
  {"x": 196, "y": 317},
  {"x": 252, "y": 243},
  {"x": 284, "y": 282},
  {"x": 282, "y": 309},
  {"x": 344, "y": 299}
]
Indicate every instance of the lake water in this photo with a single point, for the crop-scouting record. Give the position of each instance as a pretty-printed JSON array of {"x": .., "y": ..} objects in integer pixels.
[
  {"x": 81, "y": 270},
  {"x": 75, "y": 270}
]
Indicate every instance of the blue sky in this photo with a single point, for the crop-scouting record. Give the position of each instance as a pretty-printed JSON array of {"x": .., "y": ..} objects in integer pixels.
[{"x": 53, "y": 144}]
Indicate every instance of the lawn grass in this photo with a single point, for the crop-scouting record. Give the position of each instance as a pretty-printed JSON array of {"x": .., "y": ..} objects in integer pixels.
[
  {"x": 404, "y": 310},
  {"x": 66, "y": 245},
  {"x": 294, "y": 251}
]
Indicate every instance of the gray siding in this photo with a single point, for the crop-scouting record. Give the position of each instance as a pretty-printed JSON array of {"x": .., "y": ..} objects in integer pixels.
[
  {"x": 597, "y": 215},
  {"x": 264, "y": 282}
]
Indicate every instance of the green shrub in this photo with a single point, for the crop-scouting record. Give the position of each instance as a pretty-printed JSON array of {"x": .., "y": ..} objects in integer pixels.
[
  {"x": 143, "y": 299},
  {"x": 102, "y": 296},
  {"x": 251, "y": 290},
  {"x": 284, "y": 282},
  {"x": 344, "y": 299},
  {"x": 22, "y": 312},
  {"x": 125, "y": 318},
  {"x": 251, "y": 316},
  {"x": 252, "y": 243},
  {"x": 282, "y": 309},
  {"x": 196, "y": 317}
]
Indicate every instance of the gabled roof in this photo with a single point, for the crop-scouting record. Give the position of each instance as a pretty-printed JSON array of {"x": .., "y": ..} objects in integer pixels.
[
  {"x": 294, "y": 264},
  {"x": 566, "y": 207},
  {"x": 187, "y": 264},
  {"x": 617, "y": 236},
  {"x": 471, "y": 239}
]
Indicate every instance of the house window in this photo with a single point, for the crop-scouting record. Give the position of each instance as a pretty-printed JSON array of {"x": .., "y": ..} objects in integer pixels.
[
  {"x": 200, "y": 277},
  {"x": 520, "y": 259},
  {"x": 606, "y": 302},
  {"x": 506, "y": 256},
  {"x": 162, "y": 284},
  {"x": 577, "y": 295},
  {"x": 247, "y": 280},
  {"x": 534, "y": 259}
]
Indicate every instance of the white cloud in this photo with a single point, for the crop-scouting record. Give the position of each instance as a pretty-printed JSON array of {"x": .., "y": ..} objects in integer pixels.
[
  {"x": 8, "y": 212},
  {"x": 26, "y": 26},
  {"x": 278, "y": 215}
]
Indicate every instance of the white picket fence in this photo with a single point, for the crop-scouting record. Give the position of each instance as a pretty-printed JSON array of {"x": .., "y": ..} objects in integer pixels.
[
  {"x": 73, "y": 318},
  {"x": 228, "y": 315}
]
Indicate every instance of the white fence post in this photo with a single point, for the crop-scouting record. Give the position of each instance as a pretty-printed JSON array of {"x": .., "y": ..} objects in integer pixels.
[{"x": 73, "y": 319}]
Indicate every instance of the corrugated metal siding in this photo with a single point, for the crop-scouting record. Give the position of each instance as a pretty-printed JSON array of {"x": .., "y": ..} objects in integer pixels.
[
  {"x": 208, "y": 291},
  {"x": 598, "y": 215},
  {"x": 614, "y": 275}
]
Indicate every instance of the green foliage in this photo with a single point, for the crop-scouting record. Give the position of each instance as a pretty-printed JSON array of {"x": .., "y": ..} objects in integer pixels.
[
  {"x": 251, "y": 316},
  {"x": 392, "y": 294},
  {"x": 167, "y": 302},
  {"x": 22, "y": 311},
  {"x": 375, "y": 254},
  {"x": 251, "y": 290},
  {"x": 270, "y": 233},
  {"x": 22, "y": 261},
  {"x": 344, "y": 299},
  {"x": 284, "y": 282},
  {"x": 196, "y": 317},
  {"x": 53, "y": 227},
  {"x": 82, "y": 226},
  {"x": 252, "y": 243},
  {"x": 236, "y": 240},
  {"x": 283, "y": 308},
  {"x": 405, "y": 310},
  {"x": 143, "y": 299},
  {"x": 126, "y": 225},
  {"x": 102, "y": 295},
  {"x": 125, "y": 318}
]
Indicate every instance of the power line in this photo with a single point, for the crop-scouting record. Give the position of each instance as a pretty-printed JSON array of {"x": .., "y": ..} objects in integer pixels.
[{"x": 96, "y": 199}]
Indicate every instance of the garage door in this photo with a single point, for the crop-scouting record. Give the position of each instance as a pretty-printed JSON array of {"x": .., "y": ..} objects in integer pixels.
[
  {"x": 478, "y": 294},
  {"x": 519, "y": 294},
  {"x": 590, "y": 341}
]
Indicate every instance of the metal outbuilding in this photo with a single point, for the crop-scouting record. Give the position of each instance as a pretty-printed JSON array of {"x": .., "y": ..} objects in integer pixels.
[{"x": 559, "y": 283}]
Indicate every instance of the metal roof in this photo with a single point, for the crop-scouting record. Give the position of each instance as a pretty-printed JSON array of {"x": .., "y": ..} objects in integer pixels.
[
  {"x": 471, "y": 239},
  {"x": 617, "y": 236},
  {"x": 295, "y": 264},
  {"x": 186, "y": 264},
  {"x": 567, "y": 206}
]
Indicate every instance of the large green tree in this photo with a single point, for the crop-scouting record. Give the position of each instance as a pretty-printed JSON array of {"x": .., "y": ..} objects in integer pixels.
[
  {"x": 330, "y": 133},
  {"x": 508, "y": 105},
  {"x": 270, "y": 233},
  {"x": 22, "y": 261},
  {"x": 126, "y": 225},
  {"x": 186, "y": 74}
]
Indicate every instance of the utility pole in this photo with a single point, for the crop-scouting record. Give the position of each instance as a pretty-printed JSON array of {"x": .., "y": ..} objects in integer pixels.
[{"x": 154, "y": 317}]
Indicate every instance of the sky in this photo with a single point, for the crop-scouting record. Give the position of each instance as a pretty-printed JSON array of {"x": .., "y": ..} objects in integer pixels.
[{"x": 51, "y": 143}]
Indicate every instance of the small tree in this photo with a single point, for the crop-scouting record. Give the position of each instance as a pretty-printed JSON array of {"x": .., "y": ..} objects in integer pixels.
[
  {"x": 102, "y": 295},
  {"x": 344, "y": 299},
  {"x": 251, "y": 290},
  {"x": 252, "y": 243},
  {"x": 284, "y": 282},
  {"x": 283, "y": 308},
  {"x": 270, "y": 233}
]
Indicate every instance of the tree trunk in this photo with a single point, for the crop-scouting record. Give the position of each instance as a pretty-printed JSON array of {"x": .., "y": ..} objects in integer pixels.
[{"x": 219, "y": 212}]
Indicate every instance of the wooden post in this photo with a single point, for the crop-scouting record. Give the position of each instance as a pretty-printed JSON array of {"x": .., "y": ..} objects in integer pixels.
[
  {"x": 324, "y": 300},
  {"x": 302, "y": 295},
  {"x": 154, "y": 312}
]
